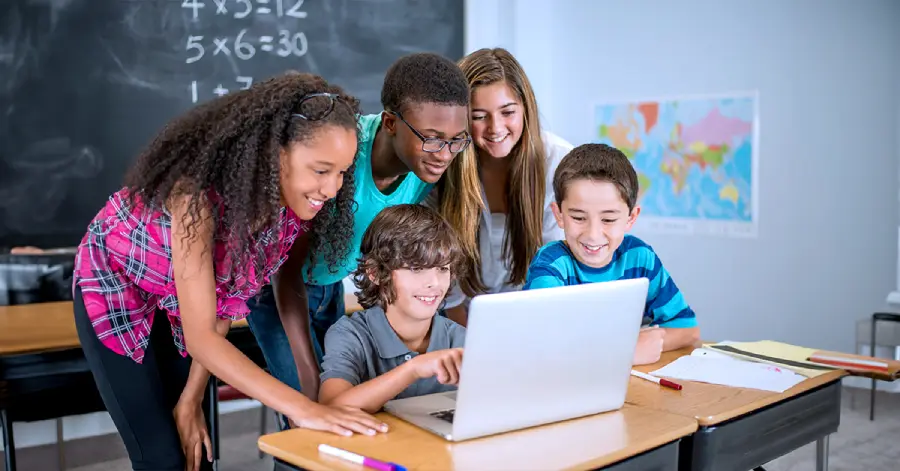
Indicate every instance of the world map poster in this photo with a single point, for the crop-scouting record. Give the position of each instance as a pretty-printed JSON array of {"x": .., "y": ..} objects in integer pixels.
[{"x": 696, "y": 160}]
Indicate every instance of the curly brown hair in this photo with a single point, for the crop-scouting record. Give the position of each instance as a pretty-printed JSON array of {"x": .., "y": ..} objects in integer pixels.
[
  {"x": 403, "y": 236},
  {"x": 229, "y": 148}
]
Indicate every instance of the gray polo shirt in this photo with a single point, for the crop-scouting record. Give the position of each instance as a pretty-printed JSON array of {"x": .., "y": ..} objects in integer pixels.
[{"x": 363, "y": 346}]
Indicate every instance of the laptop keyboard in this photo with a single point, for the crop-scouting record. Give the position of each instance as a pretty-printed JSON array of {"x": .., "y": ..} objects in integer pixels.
[{"x": 446, "y": 415}]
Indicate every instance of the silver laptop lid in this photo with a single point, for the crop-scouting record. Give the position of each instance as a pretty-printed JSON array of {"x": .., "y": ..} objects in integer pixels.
[{"x": 540, "y": 356}]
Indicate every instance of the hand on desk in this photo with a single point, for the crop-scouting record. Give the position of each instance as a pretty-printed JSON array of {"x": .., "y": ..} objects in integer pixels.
[
  {"x": 649, "y": 346},
  {"x": 341, "y": 420},
  {"x": 192, "y": 432},
  {"x": 443, "y": 364}
]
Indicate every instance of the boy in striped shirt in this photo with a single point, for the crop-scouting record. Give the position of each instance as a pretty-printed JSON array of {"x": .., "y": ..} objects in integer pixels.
[{"x": 596, "y": 192}]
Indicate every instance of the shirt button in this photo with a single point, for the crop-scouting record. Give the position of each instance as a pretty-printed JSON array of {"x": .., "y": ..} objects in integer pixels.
[{"x": 407, "y": 357}]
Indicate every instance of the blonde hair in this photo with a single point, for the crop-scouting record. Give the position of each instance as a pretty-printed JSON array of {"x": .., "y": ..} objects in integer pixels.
[{"x": 460, "y": 189}]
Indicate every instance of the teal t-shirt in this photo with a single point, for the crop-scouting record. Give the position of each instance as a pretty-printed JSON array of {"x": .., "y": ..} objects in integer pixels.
[{"x": 370, "y": 201}]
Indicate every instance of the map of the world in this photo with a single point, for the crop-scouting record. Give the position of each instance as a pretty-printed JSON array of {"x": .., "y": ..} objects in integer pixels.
[{"x": 695, "y": 158}]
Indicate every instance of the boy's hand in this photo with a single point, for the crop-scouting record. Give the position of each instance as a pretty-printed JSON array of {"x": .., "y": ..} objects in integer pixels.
[
  {"x": 443, "y": 364},
  {"x": 649, "y": 346}
]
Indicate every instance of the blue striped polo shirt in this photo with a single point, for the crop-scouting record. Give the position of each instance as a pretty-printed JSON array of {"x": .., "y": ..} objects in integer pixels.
[{"x": 555, "y": 265}]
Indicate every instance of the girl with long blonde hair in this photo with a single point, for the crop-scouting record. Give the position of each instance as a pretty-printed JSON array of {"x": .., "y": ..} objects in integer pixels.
[{"x": 498, "y": 192}]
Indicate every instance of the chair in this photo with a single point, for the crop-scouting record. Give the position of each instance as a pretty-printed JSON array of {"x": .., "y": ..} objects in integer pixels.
[{"x": 883, "y": 317}]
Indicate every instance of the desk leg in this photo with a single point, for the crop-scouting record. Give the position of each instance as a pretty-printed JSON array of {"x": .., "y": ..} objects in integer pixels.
[
  {"x": 213, "y": 413},
  {"x": 9, "y": 445},
  {"x": 822, "y": 453}
]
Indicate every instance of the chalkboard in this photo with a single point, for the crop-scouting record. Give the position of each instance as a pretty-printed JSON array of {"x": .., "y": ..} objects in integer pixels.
[{"x": 85, "y": 84}]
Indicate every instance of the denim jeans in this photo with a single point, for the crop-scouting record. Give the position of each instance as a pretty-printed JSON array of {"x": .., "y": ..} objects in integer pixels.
[{"x": 326, "y": 306}]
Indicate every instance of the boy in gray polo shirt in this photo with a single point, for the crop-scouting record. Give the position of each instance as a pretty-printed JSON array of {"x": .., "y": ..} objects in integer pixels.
[{"x": 397, "y": 347}]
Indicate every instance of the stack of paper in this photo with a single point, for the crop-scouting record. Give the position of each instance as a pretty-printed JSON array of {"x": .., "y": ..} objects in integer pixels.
[{"x": 709, "y": 366}]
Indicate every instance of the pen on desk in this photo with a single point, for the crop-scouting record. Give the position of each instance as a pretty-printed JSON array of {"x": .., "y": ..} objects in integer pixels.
[
  {"x": 659, "y": 381},
  {"x": 359, "y": 459}
]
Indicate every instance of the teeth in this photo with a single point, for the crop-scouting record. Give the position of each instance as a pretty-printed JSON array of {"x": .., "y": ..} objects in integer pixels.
[
  {"x": 593, "y": 247},
  {"x": 428, "y": 299},
  {"x": 497, "y": 139},
  {"x": 316, "y": 202}
]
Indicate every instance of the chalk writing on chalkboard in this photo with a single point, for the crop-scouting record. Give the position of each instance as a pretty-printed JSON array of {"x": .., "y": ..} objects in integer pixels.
[
  {"x": 243, "y": 45},
  {"x": 86, "y": 84}
]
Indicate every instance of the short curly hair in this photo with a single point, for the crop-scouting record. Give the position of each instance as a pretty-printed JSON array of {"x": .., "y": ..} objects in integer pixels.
[
  {"x": 403, "y": 236},
  {"x": 229, "y": 148},
  {"x": 423, "y": 77}
]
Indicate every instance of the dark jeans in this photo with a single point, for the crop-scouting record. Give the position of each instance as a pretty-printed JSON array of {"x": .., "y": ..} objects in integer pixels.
[
  {"x": 326, "y": 306},
  {"x": 140, "y": 397}
]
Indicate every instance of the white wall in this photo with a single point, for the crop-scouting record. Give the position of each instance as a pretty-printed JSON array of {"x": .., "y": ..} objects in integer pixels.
[{"x": 827, "y": 73}]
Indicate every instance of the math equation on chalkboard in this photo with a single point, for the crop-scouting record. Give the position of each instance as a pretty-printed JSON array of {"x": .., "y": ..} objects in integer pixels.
[{"x": 242, "y": 44}]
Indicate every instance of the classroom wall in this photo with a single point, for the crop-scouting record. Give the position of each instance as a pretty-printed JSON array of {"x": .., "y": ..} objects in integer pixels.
[{"x": 827, "y": 73}]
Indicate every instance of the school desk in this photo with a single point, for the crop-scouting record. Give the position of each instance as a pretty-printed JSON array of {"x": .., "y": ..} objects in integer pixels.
[
  {"x": 740, "y": 429},
  {"x": 632, "y": 438},
  {"x": 43, "y": 372}
]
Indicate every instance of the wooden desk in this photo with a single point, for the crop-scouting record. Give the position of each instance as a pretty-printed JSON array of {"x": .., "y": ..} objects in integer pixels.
[
  {"x": 741, "y": 429},
  {"x": 37, "y": 327},
  {"x": 631, "y": 438},
  {"x": 46, "y": 327},
  {"x": 43, "y": 372}
]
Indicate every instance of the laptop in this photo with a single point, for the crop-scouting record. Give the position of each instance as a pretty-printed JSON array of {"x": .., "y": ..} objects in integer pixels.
[{"x": 536, "y": 357}]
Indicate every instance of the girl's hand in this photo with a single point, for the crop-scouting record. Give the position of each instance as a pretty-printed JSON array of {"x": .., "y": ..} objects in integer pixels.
[
  {"x": 191, "y": 425},
  {"x": 340, "y": 420}
]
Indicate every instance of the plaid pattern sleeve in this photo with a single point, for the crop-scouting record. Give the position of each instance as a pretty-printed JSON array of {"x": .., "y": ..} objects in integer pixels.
[{"x": 124, "y": 269}]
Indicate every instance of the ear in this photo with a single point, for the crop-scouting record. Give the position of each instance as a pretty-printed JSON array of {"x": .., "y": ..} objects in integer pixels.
[
  {"x": 633, "y": 217},
  {"x": 389, "y": 123},
  {"x": 557, "y": 213}
]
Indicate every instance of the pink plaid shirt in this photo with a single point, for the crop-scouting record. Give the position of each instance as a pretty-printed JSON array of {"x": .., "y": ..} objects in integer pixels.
[{"x": 124, "y": 269}]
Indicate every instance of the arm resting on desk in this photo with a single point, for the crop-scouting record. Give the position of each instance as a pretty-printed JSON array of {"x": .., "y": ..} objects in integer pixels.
[
  {"x": 371, "y": 395},
  {"x": 680, "y": 338}
]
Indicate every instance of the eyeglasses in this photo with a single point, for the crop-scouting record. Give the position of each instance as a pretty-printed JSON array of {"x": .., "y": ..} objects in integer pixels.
[
  {"x": 434, "y": 144},
  {"x": 316, "y": 106}
]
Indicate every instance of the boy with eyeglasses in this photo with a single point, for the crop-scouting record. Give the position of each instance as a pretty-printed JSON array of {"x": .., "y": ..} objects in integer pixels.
[{"x": 402, "y": 152}]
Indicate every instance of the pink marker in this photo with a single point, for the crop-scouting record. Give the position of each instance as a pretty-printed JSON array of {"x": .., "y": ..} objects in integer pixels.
[{"x": 359, "y": 459}]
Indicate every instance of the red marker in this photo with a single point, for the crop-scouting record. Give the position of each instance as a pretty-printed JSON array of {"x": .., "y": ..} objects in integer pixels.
[{"x": 659, "y": 381}]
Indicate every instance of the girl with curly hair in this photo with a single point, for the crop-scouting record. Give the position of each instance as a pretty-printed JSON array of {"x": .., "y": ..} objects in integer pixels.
[
  {"x": 403, "y": 151},
  {"x": 232, "y": 194}
]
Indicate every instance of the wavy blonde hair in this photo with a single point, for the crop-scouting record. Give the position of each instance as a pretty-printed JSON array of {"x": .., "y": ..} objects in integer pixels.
[{"x": 460, "y": 189}]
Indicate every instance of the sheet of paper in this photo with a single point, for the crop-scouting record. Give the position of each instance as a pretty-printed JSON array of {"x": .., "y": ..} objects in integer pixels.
[
  {"x": 780, "y": 353},
  {"x": 776, "y": 349},
  {"x": 730, "y": 372},
  {"x": 716, "y": 355}
]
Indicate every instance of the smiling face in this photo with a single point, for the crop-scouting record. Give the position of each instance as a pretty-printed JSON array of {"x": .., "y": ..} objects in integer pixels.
[
  {"x": 419, "y": 291},
  {"x": 312, "y": 172},
  {"x": 431, "y": 120},
  {"x": 498, "y": 118},
  {"x": 595, "y": 219}
]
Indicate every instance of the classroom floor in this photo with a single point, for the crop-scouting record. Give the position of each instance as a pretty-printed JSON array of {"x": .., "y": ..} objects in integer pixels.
[{"x": 858, "y": 444}]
